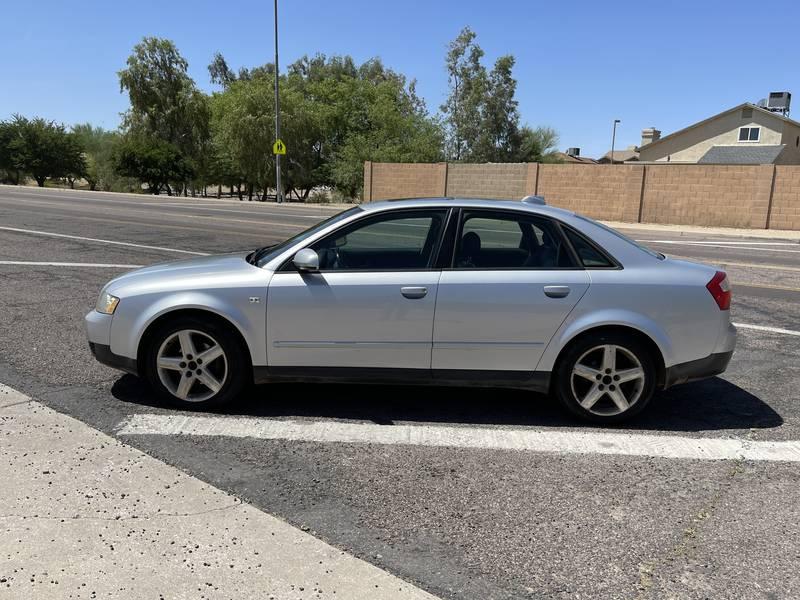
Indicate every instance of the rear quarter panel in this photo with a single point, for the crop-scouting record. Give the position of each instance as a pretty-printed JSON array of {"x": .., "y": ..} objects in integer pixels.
[{"x": 668, "y": 302}]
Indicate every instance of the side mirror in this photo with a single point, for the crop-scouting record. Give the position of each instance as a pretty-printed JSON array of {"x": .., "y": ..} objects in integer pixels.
[{"x": 306, "y": 260}]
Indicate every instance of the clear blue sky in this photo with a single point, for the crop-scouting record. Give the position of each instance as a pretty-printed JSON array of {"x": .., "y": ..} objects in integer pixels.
[{"x": 579, "y": 64}]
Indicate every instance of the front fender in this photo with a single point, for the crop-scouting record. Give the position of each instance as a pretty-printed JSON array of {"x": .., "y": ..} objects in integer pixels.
[
  {"x": 135, "y": 314},
  {"x": 570, "y": 329}
]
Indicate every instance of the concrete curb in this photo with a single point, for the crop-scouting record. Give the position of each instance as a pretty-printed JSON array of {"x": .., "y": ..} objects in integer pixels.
[{"x": 87, "y": 516}]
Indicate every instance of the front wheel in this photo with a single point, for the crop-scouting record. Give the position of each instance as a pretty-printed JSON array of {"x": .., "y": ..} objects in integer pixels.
[
  {"x": 606, "y": 378},
  {"x": 196, "y": 364}
]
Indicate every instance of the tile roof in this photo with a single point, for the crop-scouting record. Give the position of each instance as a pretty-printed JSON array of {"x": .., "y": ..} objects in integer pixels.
[{"x": 741, "y": 155}]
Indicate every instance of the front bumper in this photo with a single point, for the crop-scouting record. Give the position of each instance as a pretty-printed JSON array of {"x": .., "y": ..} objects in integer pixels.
[
  {"x": 104, "y": 355},
  {"x": 98, "y": 332},
  {"x": 693, "y": 370}
]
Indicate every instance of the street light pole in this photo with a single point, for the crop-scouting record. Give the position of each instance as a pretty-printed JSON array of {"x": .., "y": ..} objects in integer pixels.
[
  {"x": 613, "y": 136},
  {"x": 278, "y": 187}
]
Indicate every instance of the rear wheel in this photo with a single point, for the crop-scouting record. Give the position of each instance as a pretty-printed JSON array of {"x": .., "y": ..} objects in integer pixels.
[
  {"x": 196, "y": 364},
  {"x": 606, "y": 378}
]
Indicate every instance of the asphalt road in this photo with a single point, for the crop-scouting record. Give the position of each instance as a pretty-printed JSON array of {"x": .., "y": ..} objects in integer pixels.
[{"x": 459, "y": 522}]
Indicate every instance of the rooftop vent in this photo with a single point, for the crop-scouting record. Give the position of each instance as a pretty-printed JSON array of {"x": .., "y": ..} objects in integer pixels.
[
  {"x": 779, "y": 102},
  {"x": 573, "y": 151}
]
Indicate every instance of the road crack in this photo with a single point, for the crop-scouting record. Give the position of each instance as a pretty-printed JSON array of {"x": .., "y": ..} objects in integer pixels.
[{"x": 682, "y": 550}]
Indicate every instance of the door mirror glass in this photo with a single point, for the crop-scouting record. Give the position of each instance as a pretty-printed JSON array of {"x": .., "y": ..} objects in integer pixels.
[{"x": 306, "y": 260}]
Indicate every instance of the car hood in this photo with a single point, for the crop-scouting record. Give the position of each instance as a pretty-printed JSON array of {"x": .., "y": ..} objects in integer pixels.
[{"x": 191, "y": 272}]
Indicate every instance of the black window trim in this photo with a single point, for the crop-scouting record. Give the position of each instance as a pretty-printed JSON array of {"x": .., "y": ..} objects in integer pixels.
[
  {"x": 577, "y": 264},
  {"x": 288, "y": 264},
  {"x": 615, "y": 264}
]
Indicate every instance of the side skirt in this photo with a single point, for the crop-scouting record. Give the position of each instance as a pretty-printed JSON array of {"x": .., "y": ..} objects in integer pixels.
[{"x": 538, "y": 381}]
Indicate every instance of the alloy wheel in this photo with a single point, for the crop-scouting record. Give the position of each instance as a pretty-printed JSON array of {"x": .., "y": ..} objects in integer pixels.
[
  {"x": 192, "y": 365},
  {"x": 607, "y": 380}
]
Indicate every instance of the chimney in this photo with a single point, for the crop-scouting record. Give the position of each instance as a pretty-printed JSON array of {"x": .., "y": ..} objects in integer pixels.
[
  {"x": 650, "y": 135},
  {"x": 573, "y": 151}
]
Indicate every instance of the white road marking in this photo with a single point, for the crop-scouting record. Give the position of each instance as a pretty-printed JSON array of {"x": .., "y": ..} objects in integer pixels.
[
  {"x": 101, "y": 241},
  {"x": 236, "y": 212},
  {"x": 67, "y": 264},
  {"x": 560, "y": 442},
  {"x": 716, "y": 245},
  {"x": 719, "y": 242},
  {"x": 767, "y": 329}
]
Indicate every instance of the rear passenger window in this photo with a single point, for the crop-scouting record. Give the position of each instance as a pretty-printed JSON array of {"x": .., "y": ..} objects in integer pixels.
[
  {"x": 506, "y": 241},
  {"x": 589, "y": 255}
]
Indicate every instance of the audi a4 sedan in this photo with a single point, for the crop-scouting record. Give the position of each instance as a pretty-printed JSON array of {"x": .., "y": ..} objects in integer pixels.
[{"x": 428, "y": 291}]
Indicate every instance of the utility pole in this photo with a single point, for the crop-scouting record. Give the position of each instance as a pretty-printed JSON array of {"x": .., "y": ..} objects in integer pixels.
[
  {"x": 278, "y": 187},
  {"x": 613, "y": 135}
]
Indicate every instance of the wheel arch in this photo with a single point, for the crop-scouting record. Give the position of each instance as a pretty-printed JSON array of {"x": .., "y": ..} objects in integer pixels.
[
  {"x": 201, "y": 313},
  {"x": 624, "y": 329}
]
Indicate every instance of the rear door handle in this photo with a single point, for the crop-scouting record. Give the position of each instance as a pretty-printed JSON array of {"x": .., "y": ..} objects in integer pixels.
[
  {"x": 556, "y": 291},
  {"x": 414, "y": 293}
]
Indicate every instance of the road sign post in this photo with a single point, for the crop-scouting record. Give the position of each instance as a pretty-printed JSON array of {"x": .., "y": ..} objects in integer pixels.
[{"x": 278, "y": 187}]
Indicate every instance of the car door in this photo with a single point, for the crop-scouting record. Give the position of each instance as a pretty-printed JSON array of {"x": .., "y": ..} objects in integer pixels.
[
  {"x": 371, "y": 303},
  {"x": 512, "y": 282}
]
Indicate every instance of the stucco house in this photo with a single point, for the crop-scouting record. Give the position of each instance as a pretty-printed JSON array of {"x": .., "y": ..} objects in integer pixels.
[{"x": 746, "y": 134}]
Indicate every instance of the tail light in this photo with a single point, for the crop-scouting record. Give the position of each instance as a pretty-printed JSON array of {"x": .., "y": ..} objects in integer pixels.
[{"x": 720, "y": 289}]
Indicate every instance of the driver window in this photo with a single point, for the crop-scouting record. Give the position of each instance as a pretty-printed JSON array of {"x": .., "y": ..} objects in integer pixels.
[{"x": 398, "y": 241}]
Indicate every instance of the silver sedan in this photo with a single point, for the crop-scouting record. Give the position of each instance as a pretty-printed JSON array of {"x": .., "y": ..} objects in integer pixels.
[{"x": 433, "y": 291}]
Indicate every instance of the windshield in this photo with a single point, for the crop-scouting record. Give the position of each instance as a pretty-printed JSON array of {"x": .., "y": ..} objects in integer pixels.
[
  {"x": 266, "y": 254},
  {"x": 610, "y": 230}
]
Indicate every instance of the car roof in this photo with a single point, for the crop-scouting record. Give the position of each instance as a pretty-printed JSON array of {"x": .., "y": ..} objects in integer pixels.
[{"x": 485, "y": 203}]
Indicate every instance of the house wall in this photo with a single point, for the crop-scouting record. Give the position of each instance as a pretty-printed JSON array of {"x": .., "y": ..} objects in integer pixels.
[
  {"x": 755, "y": 196},
  {"x": 791, "y": 139},
  {"x": 692, "y": 144}
]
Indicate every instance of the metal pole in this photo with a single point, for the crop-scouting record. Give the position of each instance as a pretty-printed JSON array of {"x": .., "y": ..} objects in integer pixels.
[
  {"x": 278, "y": 187},
  {"x": 613, "y": 136}
]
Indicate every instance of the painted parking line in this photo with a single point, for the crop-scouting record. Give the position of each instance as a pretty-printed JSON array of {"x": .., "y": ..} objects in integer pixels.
[
  {"x": 767, "y": 329},
  {"x": 68, "y": 264},
  {"x": 99, "y": 240},
  {"x": 529, "y": 440}
]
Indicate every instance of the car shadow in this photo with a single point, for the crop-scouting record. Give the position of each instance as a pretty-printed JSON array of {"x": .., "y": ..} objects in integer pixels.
[{"x": 712, "y": 404}]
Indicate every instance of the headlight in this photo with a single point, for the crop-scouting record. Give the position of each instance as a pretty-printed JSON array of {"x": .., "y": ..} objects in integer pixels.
[{"x": 106, "y": 303}]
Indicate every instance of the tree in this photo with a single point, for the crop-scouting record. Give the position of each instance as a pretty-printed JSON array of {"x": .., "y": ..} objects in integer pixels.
[
  {"x": 153, "y": 161},
  {"x": 44, "y": 150},
  {"x": 98, "y": 145},
  {"x": 537, "y": 145},
  {"x": 481, "y": 113},
  {"x": 9, "y": 160},
  {"x": 165, "y": 103},
  {"x": 499, "y": 136},
  {"x": 335, "y": 114},
  {"x": 463, "y": 109}
]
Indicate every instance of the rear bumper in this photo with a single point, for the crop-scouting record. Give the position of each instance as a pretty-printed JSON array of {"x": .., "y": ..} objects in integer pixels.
[
  {"x": 693, "y": 370},
  {"x": 104, "y": 355}
]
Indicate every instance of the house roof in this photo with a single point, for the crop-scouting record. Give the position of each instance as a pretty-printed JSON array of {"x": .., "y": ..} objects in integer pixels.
[
  {"x": 725, "y": 112},
  {"x": 569, "y": 158},
  {"x": 741, "y": 155},
  {"x": 621, "y": 155}
]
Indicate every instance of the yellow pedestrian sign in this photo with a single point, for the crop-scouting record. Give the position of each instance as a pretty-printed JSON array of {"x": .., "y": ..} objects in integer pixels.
[{"x": 279, "y": 147}]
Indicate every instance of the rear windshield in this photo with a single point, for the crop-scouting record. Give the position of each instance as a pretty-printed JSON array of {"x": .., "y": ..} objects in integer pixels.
[{"x": 625, "y": 238}]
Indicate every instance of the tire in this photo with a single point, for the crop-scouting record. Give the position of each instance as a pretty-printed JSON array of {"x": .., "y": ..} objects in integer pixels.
[
  {"x": 196, "y": 364},
  {"x": 606, "y": 377}
]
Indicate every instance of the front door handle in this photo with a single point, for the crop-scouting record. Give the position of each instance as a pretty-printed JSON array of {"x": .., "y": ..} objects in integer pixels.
[
  {"x": 414, "y": 293},
  {"x": 556, "y": 291}
]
